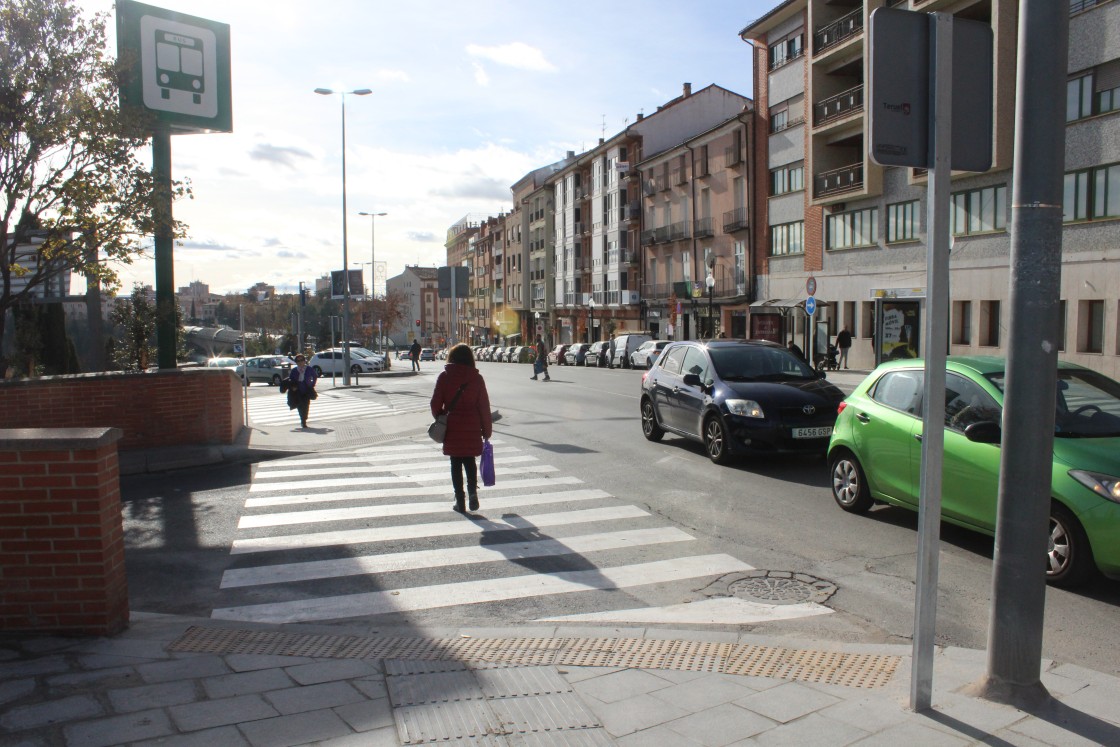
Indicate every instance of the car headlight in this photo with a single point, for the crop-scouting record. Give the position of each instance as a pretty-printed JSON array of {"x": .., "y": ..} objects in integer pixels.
[
  {"x": 1103, "y": 485},
  {"x": 748, "y": 408}
]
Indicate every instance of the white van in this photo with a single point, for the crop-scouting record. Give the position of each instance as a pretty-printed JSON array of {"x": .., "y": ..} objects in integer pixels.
[{"x": 624, "y": 345}]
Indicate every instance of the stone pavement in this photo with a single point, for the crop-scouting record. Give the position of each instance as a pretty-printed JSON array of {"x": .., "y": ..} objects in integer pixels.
[{"x": 172, "y": 680}]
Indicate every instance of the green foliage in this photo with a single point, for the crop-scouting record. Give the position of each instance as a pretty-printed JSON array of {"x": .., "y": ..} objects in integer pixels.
[
  {"x": 68, "y": 154},
  {"x": 135, "y": 320}
]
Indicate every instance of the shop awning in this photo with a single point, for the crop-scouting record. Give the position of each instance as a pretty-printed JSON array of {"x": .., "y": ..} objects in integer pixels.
[{"x": 781, "y": 304}]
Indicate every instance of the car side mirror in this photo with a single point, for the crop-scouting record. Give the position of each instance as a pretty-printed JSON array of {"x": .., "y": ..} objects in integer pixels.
[
  {"x": 984, "y": 432},
  {"x": 692, "y": 380}
]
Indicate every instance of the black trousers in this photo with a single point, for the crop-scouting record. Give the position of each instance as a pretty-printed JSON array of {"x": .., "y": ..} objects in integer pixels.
[
  {"x": 458, "y": 464},
  {"x": 303, "y": 406}
]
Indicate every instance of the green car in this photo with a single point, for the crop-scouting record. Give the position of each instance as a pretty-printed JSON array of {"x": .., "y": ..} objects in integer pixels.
[{"x": 875, "y": 455}]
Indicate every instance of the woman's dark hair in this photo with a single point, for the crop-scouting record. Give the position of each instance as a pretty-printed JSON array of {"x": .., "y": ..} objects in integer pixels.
[{"x": 461, "y": 354}]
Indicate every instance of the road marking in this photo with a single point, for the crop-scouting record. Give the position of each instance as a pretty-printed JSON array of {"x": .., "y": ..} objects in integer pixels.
[
  {"x": 342, "y": 482},
  {"x": 358, "y": 469},
  {"x": 436, "y": 529},
  {"x": 418, "y": 559},
  {"x": 717, "y": 611},
  {"x": 486, "y": 590},
  {"x": 412, "y": 509},
  {"x": 359, "y": 495}
]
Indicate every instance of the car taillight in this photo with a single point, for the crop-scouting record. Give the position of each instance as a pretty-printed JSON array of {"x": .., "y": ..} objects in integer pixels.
[{"x": 840, "y": 407}]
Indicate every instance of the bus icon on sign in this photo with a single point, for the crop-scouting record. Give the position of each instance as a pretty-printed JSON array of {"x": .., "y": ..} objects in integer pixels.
[{"x": 179, "y": 67}]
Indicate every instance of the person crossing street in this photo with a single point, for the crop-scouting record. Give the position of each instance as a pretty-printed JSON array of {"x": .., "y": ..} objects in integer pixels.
[{"x": 540, "y": 365}]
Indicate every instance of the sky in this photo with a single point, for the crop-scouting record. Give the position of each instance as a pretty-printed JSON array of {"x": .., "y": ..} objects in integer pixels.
[{"x": 468, "y": 97}]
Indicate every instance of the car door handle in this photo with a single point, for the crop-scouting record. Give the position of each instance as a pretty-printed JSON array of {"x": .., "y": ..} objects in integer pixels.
[
  {"x": 862, "y": 417},
  {"x": 918, "y": 436}
]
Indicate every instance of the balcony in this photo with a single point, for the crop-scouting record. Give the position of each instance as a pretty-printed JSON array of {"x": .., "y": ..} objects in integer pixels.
[
  {"x": 702, "y": 227},
  {"x": 678, "y": 231},
  {"x": 732, "y": 156},
  {"x": 648, "y": 236},
  {"x": 844, "y": 179},
  {"x": 629, "y": 258},
  {"x": 498, "y": 273},
  {"x": 680, "y": 176},
  {"x": 661, "y": 235},
  {"x": 841, "y": 105},
  {"x": 839, "y": 30},
  {"x": 649, "y": 187},
  {"x": 656, "y": 291},
  {"x": 735, "y": 220}
]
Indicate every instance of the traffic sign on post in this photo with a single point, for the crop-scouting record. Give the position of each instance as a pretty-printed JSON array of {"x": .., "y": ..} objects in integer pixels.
[
  {"x": 811, "y": 286},
  {"x": 810, "y": 305}
]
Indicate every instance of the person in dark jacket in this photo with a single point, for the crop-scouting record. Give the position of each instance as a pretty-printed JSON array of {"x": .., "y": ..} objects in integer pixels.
[
  {"x": 468, "y": 422},
  {"x": 301, "y": 389},
  {"x": 843, "y": 344},
  {"x": 540, "y": 363},
  {"x": 414, "y": 355}
]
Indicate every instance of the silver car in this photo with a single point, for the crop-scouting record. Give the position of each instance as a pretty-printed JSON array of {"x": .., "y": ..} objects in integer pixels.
[{"x": 267, "y": 368}]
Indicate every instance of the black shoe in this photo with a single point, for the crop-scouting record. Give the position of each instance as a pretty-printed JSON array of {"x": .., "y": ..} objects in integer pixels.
[
  {"x": 474, "y": 501},
  {"x": 459, "y": 505}
]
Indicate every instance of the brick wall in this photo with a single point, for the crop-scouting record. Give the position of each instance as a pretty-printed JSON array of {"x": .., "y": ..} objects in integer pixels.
[
  {"x": 152, "y": 409},
  {"x": 61, "y": 538}
]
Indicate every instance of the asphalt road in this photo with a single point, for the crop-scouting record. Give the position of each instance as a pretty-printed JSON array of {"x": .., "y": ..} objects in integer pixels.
[{"x": 775, "y": 515}]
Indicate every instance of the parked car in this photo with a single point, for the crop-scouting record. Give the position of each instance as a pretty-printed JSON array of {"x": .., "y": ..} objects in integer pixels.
[
  {"x": 490, "y": 353},
  {"x": 875, "y": 455},
  {"x": 223, "y": 362},
  {"x": 575, "y": 354},
  {"x": 427, "y": 354},
  {"x": 511, "y": 353},
  {"x": 647, "y": 353},
  {"x": 267, "y": 368},
  {"x": 738, "y": 397},
  {"x": 556, "y": 355},
  {"x": 596, "y": 355},
  {"x": 623, "y": 347},
  {"x": 331, "y": 361}
]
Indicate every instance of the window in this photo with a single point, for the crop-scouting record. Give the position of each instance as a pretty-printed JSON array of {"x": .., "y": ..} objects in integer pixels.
[
  {"x": 1061, "y": 326},
  {"x": 787, "y": 49},
  {"x": 855, "y": 228},
  {"x": 787, "y": 238},
  {"x": 903, "y": 221},
  {"x": 1092, "y": 194},
  {"x": 779, "y": 120},
  {"x": 686, "y": 267},
  {"x": 899, "y": 390},
  {"x": 962, "y": 323},
  {"x": 740, "y": 270},
  {"x": 787, "y": 179},
  {"x": 1090, "y": 323},
  {"x": 653, "y": 272},
  {"x": 989, "y": 324},
  {"x": 966, "y": 403},
  {"x": 1079, "y": 98},
  {"x": 979, "y": 211}
]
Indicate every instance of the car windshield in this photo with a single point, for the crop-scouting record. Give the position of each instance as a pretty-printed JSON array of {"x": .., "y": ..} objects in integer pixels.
[
  {"x": 758, "y": 363},
  {"x": 1088, "y": 404}
]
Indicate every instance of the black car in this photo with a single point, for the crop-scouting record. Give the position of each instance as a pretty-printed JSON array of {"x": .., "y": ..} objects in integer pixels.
[{"x": 739, "y": 397}]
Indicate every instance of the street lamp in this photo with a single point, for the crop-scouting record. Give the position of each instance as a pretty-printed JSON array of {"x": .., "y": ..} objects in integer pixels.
[
  {"x": 710, "y": 281},
  {"x": 345, "y": 257},
  {"x": 591, "y": 328},
  {"x": 372, "y": 256}
]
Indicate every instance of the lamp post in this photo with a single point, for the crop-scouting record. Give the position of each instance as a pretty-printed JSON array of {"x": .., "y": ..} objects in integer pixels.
[
  {"x": 345, "y": 257},
  {"x": 710, "y": 281},
  {"x": 372, "y": 255},
  {"x": 591, "y": 327}
]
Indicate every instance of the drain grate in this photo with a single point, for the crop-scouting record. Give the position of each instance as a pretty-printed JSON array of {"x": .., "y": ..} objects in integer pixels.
[
  {"x": 827, "y": 667},
  {"x": 781, "y": 587}
]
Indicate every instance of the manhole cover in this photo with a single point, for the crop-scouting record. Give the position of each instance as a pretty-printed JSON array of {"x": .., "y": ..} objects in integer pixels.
[{"x": 782, "y": 587}]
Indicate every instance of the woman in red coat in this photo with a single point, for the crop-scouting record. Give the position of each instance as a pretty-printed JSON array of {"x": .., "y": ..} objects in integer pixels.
[{"x": 468, "y": 422}]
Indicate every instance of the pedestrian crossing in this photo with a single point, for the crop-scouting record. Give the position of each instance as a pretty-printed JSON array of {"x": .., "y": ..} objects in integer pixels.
[
  {"x": 331, "y": 407},
  {"x": 369, "y": 532}
]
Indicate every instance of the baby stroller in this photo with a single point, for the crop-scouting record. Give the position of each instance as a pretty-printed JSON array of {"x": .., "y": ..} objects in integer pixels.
[{"x": 829, "y": 361}]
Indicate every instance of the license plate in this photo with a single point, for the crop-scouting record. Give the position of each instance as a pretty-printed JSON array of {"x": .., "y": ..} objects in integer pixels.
[{"x": 812, "y": 432}]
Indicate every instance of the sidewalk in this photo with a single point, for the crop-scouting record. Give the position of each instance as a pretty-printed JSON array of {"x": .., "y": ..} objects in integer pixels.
[{"x": 172, "y": 680}]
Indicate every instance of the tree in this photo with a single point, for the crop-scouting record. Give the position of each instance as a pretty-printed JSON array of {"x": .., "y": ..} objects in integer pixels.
[
  {"x": 136, "y": 318},
  {"x": 70, "y": 180}
]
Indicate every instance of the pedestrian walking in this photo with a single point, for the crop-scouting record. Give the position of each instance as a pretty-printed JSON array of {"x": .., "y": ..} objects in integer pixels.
[
  {"x": 461, "y": 393},
  {"x": 301, "y": 388},
  {"x": 414, "y": 355},
  {"x": 540, "y": 365},
  {"x": 794, "y": 348},
  {"x": 843, "y": 343}
]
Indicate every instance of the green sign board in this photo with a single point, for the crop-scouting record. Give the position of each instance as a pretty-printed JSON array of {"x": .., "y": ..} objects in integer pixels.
[{"x": 175, "y": 66}]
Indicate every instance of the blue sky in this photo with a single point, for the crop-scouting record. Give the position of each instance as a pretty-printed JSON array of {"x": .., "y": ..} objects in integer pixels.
[{"x": 467, "y": 98}]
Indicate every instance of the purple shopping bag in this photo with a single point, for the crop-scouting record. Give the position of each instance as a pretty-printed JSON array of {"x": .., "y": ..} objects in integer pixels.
[{"x": 487, "y": 465}]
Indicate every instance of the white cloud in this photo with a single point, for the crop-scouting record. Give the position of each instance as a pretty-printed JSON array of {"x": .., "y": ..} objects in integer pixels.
[
  {"x": 516, "y": 54},
  {"x": 480, "y": 76}
]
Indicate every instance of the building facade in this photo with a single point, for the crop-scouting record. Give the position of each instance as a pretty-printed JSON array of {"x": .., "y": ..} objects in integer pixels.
[{"x": 859, "y": 229}]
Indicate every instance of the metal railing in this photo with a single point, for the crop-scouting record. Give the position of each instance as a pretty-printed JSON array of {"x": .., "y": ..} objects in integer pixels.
[
  {"x": 735, "y": 220},
  {"x": 843, "y": 179},
  {"x": 843, "y": 28},
  {"x": 840, "y": 105},
  {"x": 678, "y": 231},
  {"x": 702, "y": 227}
]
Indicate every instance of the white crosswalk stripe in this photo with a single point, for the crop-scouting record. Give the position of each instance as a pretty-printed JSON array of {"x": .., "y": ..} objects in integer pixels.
[
  {"x": 331, "y": 407},
  {"x": 319, "y": 531}
]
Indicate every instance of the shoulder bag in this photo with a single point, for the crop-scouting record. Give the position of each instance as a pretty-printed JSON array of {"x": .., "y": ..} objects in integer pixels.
[{"x": 437, "y": 431}]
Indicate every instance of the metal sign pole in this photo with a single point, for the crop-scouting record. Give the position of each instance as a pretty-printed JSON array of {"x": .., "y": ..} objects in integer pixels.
[{"x": 937, "y": 317}]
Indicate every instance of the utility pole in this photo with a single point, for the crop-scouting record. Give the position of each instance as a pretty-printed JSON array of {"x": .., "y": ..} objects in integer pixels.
[{"x": 1015, "y": 625}]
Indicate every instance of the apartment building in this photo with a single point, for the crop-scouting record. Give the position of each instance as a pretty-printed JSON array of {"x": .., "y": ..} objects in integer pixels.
[
  {"x": 427, "y": 314},
  {"x": 458, "y": 246},
  {"x": 859, "y": 229}
]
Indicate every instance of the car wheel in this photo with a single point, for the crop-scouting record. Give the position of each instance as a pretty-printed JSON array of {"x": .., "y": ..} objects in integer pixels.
[
  {"x": 275, "y": 380},
  {"x": 1069, "y": 559},
  {"x": 318, "y": 372},
  {"x": 355, "y": 369},
  {"x": 715, "y": 440},
  {"x": 650, "y": 429},
  {"x": 849, "y": 487}
]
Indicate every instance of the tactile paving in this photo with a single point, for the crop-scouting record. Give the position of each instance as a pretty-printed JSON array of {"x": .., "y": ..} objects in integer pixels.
[{"x": 828, "y": 667}]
